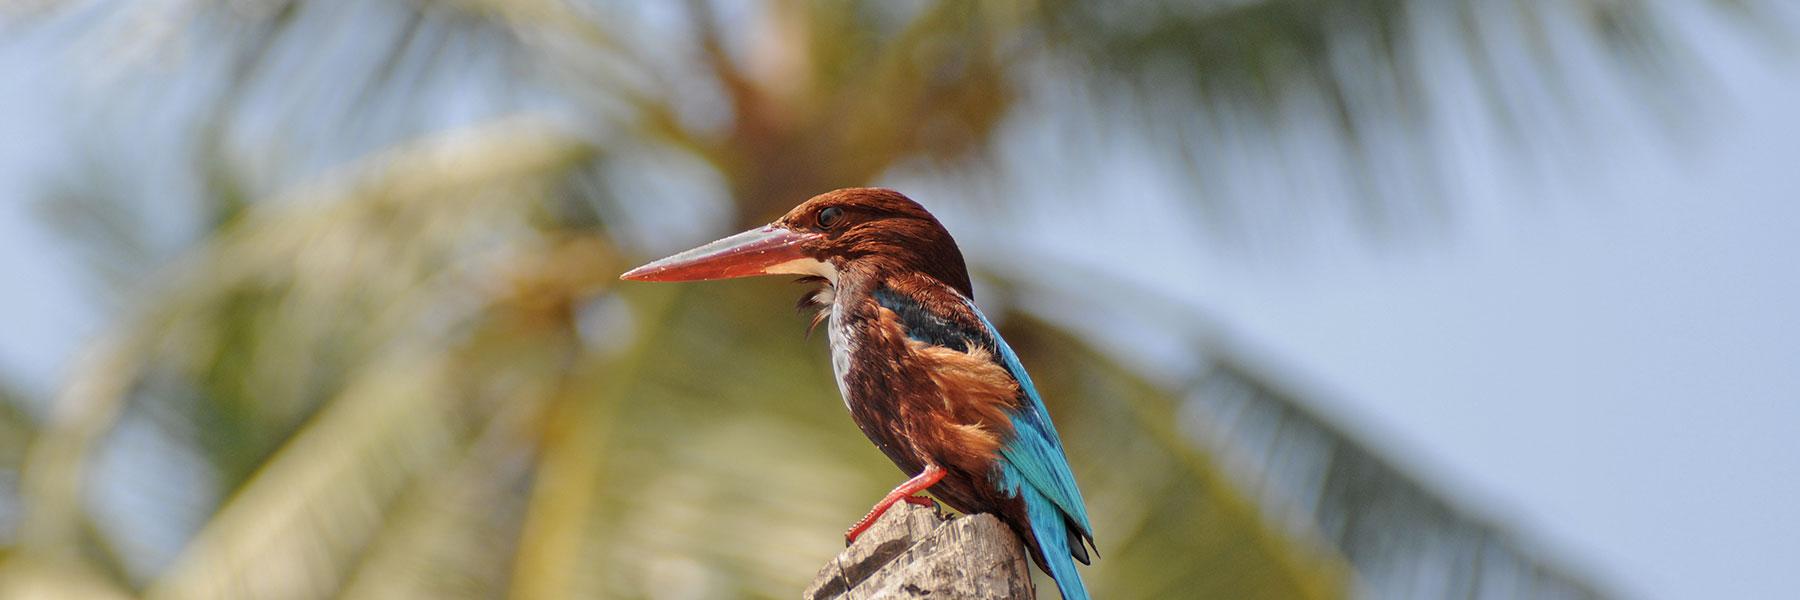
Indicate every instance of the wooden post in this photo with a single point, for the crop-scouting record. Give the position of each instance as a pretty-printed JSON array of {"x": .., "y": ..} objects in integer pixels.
[{"x": 916, "y": 552}]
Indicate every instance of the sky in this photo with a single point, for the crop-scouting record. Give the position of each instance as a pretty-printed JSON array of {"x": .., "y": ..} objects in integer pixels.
[
  {"x": 1602, "y": 354},
  {"x": 45, "y": 312}
]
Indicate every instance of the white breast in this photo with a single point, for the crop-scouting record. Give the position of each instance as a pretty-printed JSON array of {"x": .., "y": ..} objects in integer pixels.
[{"x": 839, "y": 334}]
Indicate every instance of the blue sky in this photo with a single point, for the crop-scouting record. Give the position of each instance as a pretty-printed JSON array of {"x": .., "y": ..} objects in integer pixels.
[
  {"x": 1602, "y": 353},
  {"x": 45, "y": 311}
]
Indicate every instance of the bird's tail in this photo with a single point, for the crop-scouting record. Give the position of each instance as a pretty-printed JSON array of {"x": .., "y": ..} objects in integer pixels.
[{"x": 1052, "y": 534}]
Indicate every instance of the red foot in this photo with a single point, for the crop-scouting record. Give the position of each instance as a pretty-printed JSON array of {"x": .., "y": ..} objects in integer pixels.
[
  {"x": 929, "y": 477},
  {"x": 919, "y": 500}
]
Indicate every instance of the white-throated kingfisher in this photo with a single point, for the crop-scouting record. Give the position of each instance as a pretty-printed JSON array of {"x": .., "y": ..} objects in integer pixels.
[{"x": 923, "y": 372}]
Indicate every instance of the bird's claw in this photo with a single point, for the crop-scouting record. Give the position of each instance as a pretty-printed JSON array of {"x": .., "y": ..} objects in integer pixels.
[{"x": 920, "y": 500}]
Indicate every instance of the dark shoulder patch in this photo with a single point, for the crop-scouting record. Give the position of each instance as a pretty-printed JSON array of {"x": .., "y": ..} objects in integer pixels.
[{"x": 925, "y": 326}]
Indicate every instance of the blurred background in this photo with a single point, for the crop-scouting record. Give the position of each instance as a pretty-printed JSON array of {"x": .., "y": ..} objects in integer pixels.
[{"x": 1329, "y": 298}]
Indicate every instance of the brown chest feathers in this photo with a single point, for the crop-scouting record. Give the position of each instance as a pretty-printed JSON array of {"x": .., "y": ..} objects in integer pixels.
[{"x": 958, "y": 418}]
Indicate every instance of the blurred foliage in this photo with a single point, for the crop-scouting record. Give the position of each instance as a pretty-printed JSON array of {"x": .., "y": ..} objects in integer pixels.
[
  {"x": 386, "y": 356},
  {"x": 17, "y": 430},
  {"x": 377, "y": 397}
]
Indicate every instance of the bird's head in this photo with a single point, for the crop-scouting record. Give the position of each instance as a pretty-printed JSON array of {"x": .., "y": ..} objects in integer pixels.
[{"x": 860, "y": 230}]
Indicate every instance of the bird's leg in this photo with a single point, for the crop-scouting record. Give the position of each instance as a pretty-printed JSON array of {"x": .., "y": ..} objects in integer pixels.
[{"x": 927, "y": 478}]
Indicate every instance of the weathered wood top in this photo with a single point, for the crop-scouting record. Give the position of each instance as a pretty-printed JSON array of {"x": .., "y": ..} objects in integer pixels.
[{"x": 915, "y": 552}]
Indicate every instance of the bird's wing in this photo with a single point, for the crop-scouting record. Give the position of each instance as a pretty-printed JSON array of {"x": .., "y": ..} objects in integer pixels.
[{"x": 1035, "y": 452}]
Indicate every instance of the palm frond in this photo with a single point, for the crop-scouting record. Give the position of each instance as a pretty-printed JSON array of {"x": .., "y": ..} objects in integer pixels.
[
  {"x": 286, "y": 532},
  {"x": 811, "y": 96},
  {"x": 1310, "y": 477},
  {"x": 1405, "y": 538},
  {"x": 1233, "y": 90},
  {"x": 359, "y": 259},
  {"x": 17, "y": 429}
]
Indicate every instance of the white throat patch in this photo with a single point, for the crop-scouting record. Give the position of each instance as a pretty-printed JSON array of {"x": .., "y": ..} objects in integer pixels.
[{"x": 805, "y": 266}]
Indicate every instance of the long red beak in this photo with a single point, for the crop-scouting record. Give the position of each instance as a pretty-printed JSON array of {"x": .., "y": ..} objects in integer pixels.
[{"x": 763, "y": 251}]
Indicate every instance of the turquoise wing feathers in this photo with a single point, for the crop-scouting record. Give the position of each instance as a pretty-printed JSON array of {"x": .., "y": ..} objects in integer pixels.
[{"x": 1036, "y": 451}]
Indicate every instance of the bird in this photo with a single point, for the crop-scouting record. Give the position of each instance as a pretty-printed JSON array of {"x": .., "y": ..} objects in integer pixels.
[{"x": 925, "y": 375}]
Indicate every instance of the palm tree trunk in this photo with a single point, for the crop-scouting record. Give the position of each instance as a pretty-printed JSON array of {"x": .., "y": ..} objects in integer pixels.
[{"x": 914, "y": 552}]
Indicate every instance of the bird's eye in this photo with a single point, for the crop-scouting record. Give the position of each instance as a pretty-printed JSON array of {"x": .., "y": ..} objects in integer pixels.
[{"x": 830, "y": 217}]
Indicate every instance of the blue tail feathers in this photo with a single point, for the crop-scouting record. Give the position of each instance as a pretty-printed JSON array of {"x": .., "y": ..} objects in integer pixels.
[{"x": 1053, "y": 537}]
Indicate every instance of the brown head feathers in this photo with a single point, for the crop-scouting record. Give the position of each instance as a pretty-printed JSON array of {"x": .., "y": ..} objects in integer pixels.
[{"x": 879, "y": 231}]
